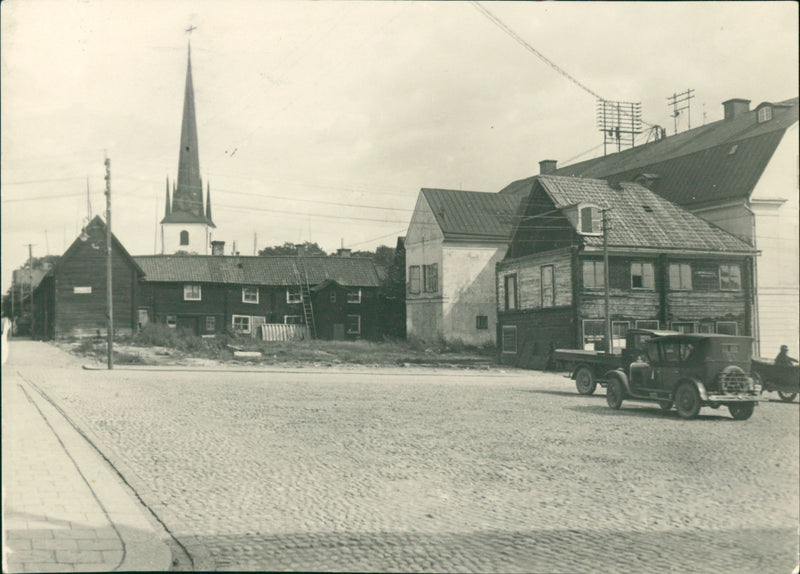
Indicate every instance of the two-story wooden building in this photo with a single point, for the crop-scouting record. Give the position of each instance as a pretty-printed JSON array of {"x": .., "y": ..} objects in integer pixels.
[
  {"x": 71, "y": 299},
  {"x": 212, "y": 294},
  {"x": 668, "y": 269}
]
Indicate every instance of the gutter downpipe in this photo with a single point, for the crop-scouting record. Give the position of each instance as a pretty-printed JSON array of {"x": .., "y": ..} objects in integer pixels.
[{"x": 756, "y": 322}]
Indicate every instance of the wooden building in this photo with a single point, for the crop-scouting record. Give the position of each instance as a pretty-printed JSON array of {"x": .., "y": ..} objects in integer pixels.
[
  {"x": 228, "y": 293},
  {"x": 668, "y": 269},
  {"x": 739, "y": 173},
  {"x": 71, "y": 299}
]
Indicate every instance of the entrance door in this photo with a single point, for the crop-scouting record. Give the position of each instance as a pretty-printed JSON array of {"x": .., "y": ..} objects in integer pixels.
[{"x": 143, "y": 317}]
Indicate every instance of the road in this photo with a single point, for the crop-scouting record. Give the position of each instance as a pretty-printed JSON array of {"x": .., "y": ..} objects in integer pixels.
[{"x": 417, "y": 470}]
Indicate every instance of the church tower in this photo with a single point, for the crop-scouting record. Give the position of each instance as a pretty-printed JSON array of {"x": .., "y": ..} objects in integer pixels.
[{"x": 187, "y": 221}]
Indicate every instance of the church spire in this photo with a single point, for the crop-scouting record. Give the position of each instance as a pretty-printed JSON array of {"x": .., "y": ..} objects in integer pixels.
[
  {"x": 208, "y": 201},
  {"x": 167, "y": 209},
  {"x": 188, "y": 197}
]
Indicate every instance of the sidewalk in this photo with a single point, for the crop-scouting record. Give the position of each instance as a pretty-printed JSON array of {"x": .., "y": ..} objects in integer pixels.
[{"x": 64, "y": 508}]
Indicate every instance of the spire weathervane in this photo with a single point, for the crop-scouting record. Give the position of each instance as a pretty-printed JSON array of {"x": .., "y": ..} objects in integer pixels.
[{"x": 190, "y": 29}]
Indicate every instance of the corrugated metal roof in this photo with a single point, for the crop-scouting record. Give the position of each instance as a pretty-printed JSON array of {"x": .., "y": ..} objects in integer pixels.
[
  {"x": 273, "y": 270},
  {"x": 641, "y": 218},
  {"x": 718, "y": 161},
  {"x": 473, "y": 214}
]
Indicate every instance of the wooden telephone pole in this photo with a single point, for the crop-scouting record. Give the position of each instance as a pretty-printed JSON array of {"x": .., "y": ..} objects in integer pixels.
[
  {"x": 109, "y": 294},
  {"x": 609, "y": 346}
]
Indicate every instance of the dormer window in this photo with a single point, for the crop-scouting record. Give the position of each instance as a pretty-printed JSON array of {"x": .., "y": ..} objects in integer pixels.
[
  {"x": 590, "y": 220},
  {"x": 764, "y": 114}
]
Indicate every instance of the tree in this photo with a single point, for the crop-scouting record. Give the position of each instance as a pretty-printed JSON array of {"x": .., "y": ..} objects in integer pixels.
[{"x": 289, "y": 248}]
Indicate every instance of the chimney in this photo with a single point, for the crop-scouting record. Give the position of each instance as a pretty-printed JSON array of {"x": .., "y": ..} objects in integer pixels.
[
  {"x": 300, "y": 249},
  {"x": 547, "y": 166},
  {"x": 735, "y": 108},
  {"x": 343, "y": 252},
  {"x": 217, "y": 248}
]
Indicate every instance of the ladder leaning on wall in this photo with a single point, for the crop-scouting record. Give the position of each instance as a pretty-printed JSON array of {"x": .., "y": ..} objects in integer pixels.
[{"x": 305, "y": 297}]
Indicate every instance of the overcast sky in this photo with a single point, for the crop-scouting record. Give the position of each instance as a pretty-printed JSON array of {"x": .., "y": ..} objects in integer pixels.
[{"x": 321, "y": 121}]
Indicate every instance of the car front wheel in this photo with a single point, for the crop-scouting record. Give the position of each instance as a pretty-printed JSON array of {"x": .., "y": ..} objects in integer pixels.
[
  {"x": 614, "y": 394},
  {"x": 687, "y": 401},
  {"x": 742, "y": 411},
  {"x": 787, "y": 397},
  {"x": 584, "y": 381}
]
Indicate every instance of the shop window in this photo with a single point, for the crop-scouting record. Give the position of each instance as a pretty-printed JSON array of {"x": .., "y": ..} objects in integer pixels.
[
  {"x": 651, "y": 324},
  {"x": 594, "y": 333},
  {"x": 727, "y": 327},
  {"x": 683, "y": 327},
  {"x": 619, "y": 331}
]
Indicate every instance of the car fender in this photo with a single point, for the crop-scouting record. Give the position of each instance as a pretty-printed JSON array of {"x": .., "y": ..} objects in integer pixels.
[
  {"x": 701, "y": 388},
  {"x": 621, "y": 377}
]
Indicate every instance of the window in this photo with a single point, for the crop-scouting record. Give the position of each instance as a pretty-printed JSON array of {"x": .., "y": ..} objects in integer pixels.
[
  {"x": 430, "y": 278},
  {"x": 680, "y": 276},
  {"x": 677, "y": 352},
  {"x": 590, "y": 220},
  {"x": 593, "y": 275},
  {"x": 481, "y": 322},
  {"x": 726, "y": 327},
  {"x": 509, "y": 338},
  {"x": 619, "y": 330},
  {"x": 293, "y": 295},
  {"x": 548, "y": 291},
  {"x": 647, "y": 324},
  {"x": 642, "y": 276},
  {"x": 211, "y": 323},
  {"x": 594, "y": 332},
  {"x": 765, "y": 114},
  {"x": 683, "y": 327},
  {"x": 511, "y": 300},
  {"x": 705, "y": 327},
  {"x": 413, "y": 279},
  {"x": 241, "y": 324},
  {"x": 730, "y": 278},
  {"x": 184, "y": 237},
  {"x": 249, "y": 294},
  {"x": 354, "y": 296},
  {"x": 292, "y": 320},
  {"x": 172, "y": 321},
  {"x": 333, "y": 296},
  {"x": 192, "y": 293},
  {"x": 353, "y": 324}
]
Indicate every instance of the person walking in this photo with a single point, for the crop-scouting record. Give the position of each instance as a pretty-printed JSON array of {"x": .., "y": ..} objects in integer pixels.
[{"x": 784, "y": 360}]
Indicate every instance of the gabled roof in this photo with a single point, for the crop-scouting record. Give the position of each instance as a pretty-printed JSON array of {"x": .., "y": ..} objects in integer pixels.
[
  {"x": 640, "y": 218},
  {"x": 271, "y": 270},
  {"x": 96, "y": 228},
  {"x": 466, "y": 215},
  {"x": 719, "y": 161}
]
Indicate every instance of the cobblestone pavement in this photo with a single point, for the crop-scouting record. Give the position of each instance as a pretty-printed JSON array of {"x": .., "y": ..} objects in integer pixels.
[{"x": 413, "y": 470}]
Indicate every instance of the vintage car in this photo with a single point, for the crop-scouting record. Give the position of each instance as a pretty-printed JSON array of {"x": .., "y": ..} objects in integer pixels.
[
  {"x": 783, "y": 379},
  {"x": 689, "y": 371}
]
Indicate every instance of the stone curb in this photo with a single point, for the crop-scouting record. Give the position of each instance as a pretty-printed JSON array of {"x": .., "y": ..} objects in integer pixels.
[{"x": 145, "y": 548}]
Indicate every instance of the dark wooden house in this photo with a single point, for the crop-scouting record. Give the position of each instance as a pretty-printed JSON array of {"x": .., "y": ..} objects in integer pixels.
[
  {"x": 71, "y": 299},
  {"x": 229, "y": 293},
  {"x": 668, "y": 269}
]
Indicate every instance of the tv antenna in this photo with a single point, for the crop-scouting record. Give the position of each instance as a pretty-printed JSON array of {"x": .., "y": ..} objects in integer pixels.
[
  {"x": 619, "y": 122},
  {"x": 675, "y": 101}
]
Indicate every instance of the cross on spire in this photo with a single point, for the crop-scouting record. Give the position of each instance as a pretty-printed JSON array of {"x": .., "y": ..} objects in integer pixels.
[{"x": 190, "y": 29}]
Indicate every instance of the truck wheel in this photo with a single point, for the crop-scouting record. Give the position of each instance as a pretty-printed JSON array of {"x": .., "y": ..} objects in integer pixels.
[
  {"x": 687, "y": 401},
  {"x": 742, "y": 411},
  {"x": 614, "y": 393},
  {"x": 787, "y": 397},
  {"x": 584, "y": 381}
]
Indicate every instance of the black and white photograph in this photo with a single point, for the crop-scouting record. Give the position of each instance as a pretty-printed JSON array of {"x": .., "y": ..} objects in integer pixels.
[{"x": 400, "y": 286}]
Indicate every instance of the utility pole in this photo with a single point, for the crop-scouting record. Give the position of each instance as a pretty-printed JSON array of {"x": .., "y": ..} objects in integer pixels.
[
  {"x": 607, "y": 286},
  {"x": 109, "y": 294},
  {"x": 30, "y": 282}
]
